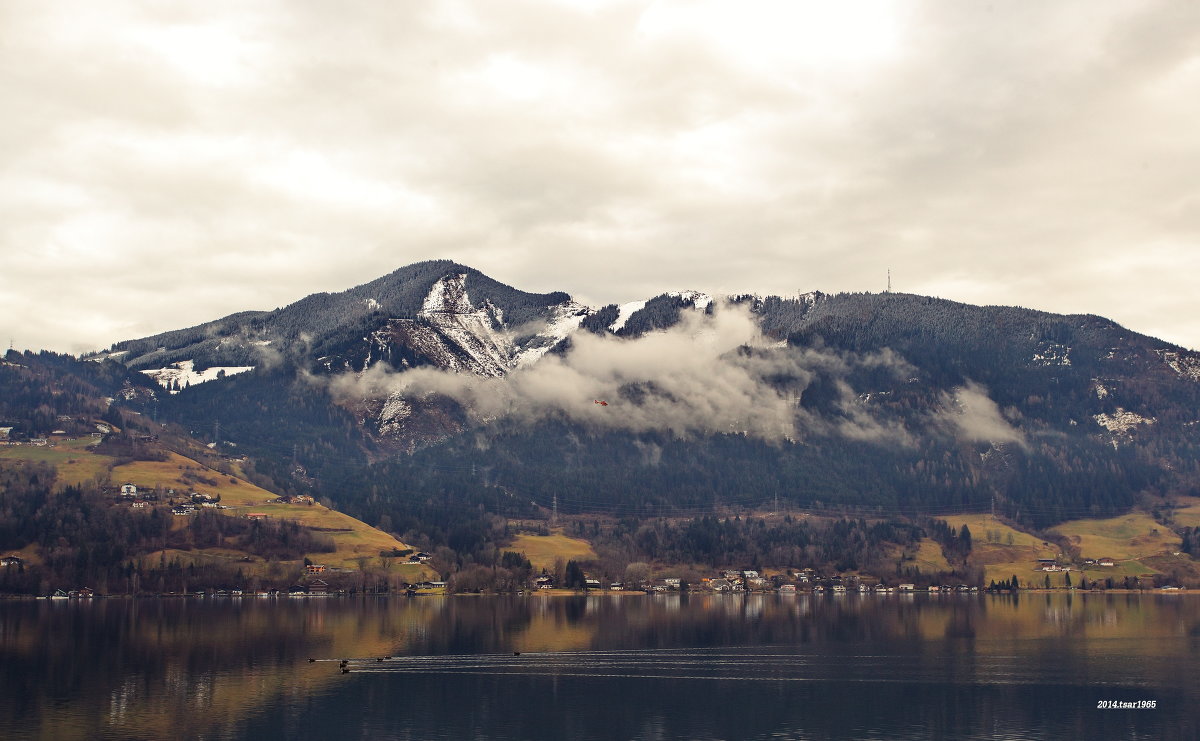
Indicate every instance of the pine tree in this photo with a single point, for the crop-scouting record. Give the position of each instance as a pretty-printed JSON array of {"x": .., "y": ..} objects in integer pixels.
[{"x": 573, "y": 577}]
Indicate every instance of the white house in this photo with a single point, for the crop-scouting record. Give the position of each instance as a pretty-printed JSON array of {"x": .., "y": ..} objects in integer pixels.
[{"x": 128, "y": 490}]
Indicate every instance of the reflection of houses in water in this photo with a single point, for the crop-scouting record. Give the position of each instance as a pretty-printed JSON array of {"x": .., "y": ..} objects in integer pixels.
[
  {"x": 801, "y": 607},
  {"x": 731, "y": 606},
  {"x": 1057, "y": 615},
  {"x": 753, "y": 607},
  {"x": 670, "y": 602}
]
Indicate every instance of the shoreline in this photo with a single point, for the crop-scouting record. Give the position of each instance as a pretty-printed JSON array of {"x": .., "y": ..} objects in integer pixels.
[{"x": 551, "y": 593}]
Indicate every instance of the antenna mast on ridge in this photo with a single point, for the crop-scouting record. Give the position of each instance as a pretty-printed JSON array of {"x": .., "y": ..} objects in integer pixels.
[{"x": 889, "y": 290}]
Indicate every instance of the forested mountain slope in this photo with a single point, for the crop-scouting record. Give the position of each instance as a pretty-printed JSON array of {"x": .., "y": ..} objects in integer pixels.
[{"x": 436, "y": 384}]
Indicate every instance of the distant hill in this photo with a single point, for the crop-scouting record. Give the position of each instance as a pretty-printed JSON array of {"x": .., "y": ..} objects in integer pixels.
[{"x": 70, "y": 450}]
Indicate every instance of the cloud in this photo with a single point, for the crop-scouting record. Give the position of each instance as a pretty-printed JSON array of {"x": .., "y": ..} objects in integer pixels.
[
  {"x": 973, "y": 416},
  {"x": 202, "y": 159},
  {"x": 708, "y": 374}
]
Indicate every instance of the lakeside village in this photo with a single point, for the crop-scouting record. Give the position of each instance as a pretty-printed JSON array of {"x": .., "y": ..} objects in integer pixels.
[
  {"x": 319, "y": 580},
  {"x": 805, "y": 582}
]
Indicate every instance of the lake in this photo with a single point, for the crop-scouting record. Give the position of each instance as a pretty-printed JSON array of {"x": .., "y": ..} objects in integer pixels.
[{"x": 963, "y": 666}]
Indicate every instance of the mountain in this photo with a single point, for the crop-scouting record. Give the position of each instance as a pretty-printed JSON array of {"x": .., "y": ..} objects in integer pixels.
[
  {"x": 436, "y": 388},
  {"x": 435, "y": 312}
]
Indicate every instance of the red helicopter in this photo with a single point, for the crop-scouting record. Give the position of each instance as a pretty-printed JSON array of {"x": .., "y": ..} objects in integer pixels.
[{"x": 602, "y": 403}]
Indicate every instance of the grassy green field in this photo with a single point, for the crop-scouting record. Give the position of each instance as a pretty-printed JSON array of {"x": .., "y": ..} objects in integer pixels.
[
  {"x": 1001, "y": 550},
  {"x": 543, "y": 550},
  {"x": 76, "y": 464},
  {"x": 357, "y": 544},
  {"x": 927, "y": 557},
  {"x": 1188, "y": 514},
  {"x": 1130, "y": 536}
]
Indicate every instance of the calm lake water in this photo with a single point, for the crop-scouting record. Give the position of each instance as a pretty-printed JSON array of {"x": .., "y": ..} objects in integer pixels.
[{"x": 605, "y": 667}]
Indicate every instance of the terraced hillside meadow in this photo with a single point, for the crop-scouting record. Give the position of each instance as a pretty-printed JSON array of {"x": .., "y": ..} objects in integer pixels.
[{"x": 357, "y": 544}]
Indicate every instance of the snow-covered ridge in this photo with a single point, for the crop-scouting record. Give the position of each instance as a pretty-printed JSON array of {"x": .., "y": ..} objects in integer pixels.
[
  {"x": 462, "y": 338},
  {"x": 179, "y": 376},
  {"x": 699, "y": 299},
  {"x": 459, "y": 336},
  {"x": 564, "y": 320}
]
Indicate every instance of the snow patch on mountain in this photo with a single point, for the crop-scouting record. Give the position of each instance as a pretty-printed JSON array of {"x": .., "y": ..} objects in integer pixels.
[
  {"x": 448, "y": 296},
  {"x": 624, "y": 311},
  {"x": 1184, "y": 365},
  {"x": 1052, "y": 353},
  {"x": 564, "y": 320},
  {"x": 1122, "y": 420},
  {"x": 451, "y": 332},
  {"x": 180, "y": 375},
  {"x": 395, "y": 411},
  {"x": 698, "y": 299},
  {"x": 101, "y": 357}
]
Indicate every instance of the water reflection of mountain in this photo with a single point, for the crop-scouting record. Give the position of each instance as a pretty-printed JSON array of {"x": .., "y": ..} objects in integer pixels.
[{"x": 146, "y": 668}]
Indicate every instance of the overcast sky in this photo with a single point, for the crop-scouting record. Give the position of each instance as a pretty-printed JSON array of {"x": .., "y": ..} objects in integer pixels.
[{"x": 164, "y": 164}]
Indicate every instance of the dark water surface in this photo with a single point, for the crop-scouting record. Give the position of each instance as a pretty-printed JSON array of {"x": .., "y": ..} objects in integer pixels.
[{"x": 605, "y": 667}]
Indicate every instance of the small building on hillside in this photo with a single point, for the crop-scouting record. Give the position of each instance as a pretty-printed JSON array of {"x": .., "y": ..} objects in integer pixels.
[
  {"x": 128, "y": 490},
  {"x": 1048, "y": 564}
]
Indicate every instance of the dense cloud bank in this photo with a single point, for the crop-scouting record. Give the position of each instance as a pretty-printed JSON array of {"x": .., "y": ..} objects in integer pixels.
[{"x": 708, "y": 374}]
